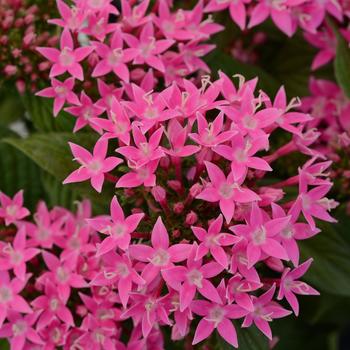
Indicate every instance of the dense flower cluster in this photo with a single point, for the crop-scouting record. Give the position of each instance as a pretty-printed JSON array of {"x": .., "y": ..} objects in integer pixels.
[
  {"x": 23, "y": 27},
  {"x": 288, "y": 16},
  {"x": 207, "y": 234}
]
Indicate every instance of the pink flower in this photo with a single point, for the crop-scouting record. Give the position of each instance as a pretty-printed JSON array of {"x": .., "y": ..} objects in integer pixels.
[
  {"x": 241, "y": 154},
  {"x": 217, "y": 316},
  {"x": 20, "y": 329},
  {"x": 9, "y": 298},
  {"x": 226, "y": 191},
  {"x": 237, "y": 10},
  {"x": 177, "y": 136},
  {"x": 62, "y": 92},
  {"x": 117, "y": 126},
  {"x": 261, "y": 235},
  {"x": 194, "y": 277},
  {"x": 265, "y": 310},
  {"x": 86, "y": 111},
  {"x": 52, "y": 305},
  {"x": 238, "y": 289},
  {"x": 119, "y": 270},
  {"x": 93, "y": 166},
  {"x": 144, "y": 175},
  {"x": 312, "y": 203},
  {"x": 213, "y": 240},
  {"x": 62, "y": 273},
  {"x": 211, "y": 134},
  {"x": 67, "y": 59},
  {"x": 14, "y": 256},
  {"x": 114, "y": 57},
  {"x": 118, "y": 227},
  {"x": 148, "y": 47},
  {"x": 147, "y": 309},
  {"x": 12, "y": 210},
  {"x": 160, "y": 256},
  {"x": 290, "y": 285},
  {"x": 145, "y": 150}
]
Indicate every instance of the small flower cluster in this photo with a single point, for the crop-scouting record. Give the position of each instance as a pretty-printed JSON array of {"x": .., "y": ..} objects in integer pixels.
[
  {"x": 213, "y": 233},
  {"x": 287, "y": 15},
  {"x": 330, "y": 109},
  {"x": 23, "y": 27}
]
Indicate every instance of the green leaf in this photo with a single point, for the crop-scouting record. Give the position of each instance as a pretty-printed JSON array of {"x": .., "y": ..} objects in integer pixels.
[
  {"x": 19, "y": 172},
  {"x": 40, "y": 112},
  {"x": 11, "y": 108},
  {"x": 4, "y": 344},
  {"x": 330, "y": 271},
  {"x": 50, "y": 151},
  {"x": 58, "y": 194},
  {"x": 342, "y": 63}
]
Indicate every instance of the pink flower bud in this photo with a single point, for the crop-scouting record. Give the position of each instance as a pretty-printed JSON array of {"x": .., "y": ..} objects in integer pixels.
[
  {"x": 10, "y": 69},
  {"x": 21, "y": 86},
  {"x": 176, "y": 233},
  {"x": 178, "y": 207},
  {"x": 159, "y": 194},
  {"x": 191, "y": 218},
  {"x": 270, "y": 195},
  {"x": 81, "y": 310},
  {"x": 196, "y": 189},
  {"x": 274, "y": 264},
  {"x": 164, "y": 162},
  {"x": 174, "y": 185}
]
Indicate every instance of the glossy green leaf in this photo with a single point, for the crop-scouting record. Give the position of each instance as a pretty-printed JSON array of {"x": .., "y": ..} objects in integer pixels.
[
  {"x": 342, "y": 64},
  {"x": 40, "y": 113},
  {"x": 330, "y": 271},
  {"x": 19, "y": 172}
]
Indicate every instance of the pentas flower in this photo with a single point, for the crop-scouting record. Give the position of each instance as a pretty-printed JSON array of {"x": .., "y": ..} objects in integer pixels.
[
  {"x": 313, "y": 203},
  {"x": 10, "y": 300},
  {"x": 238, "y": 289},
  {"x": 62, "y": 273},
  {"x": 265, "y": 310},
  {"x": 290, "y": 285},
  {"x": 119, "y": 270},
  {"x": 114, "y": 57},
  {"x": 211, "y": 134},
  {"x": 237, "y": 10},
  {"x": 147, "y": 47},
  {"x": 217, "y": 316},
  {"x": 19, "y": 329},
  {"x": 160, "y": 256},
  {"x": 93, "y": 166},
  {"x": 85, "y": 111},
  {"x": 177, "y": 136},
  {"x": 134, "y": 16},
  {"x": 62, "y": 92},
  {"x": 118, "y": 227},
  {"x": 67, "y": 59},
  {"x": 14, "y": 256},
  {"x": 261, "y": 235},
  {"x": 144, "y": 175},
  {"x": 52, "y": 305},
  {"x": 12, "y": 210},
  {"x": 194, "y": 277},
  {"x": 149, "y": 310},
  {"x": 144, "y": 150},
  {"x": 226, "y": 191},
  {"x": 118, "y": 123},
  {"x": 213, "y": 241},
  {"x": 242, "y": 154}
]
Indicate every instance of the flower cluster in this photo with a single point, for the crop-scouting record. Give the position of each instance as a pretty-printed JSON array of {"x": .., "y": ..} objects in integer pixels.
[
  {"x": 288, "y": 16},
  {"x": 207, "y": 232},
  {"x": 23, "y": 27},
  {"x": 330, "y": 109}
]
